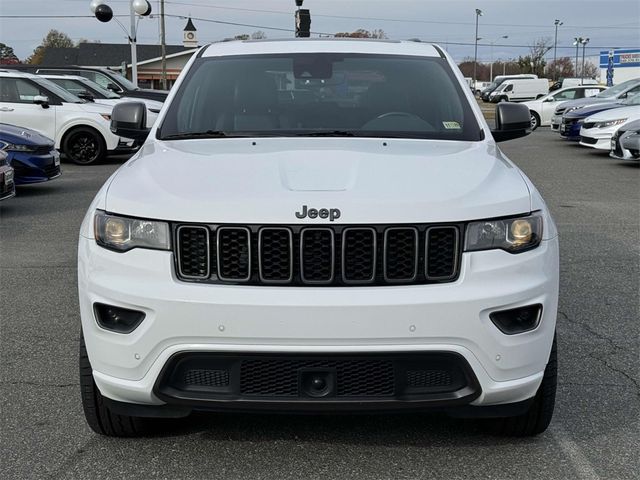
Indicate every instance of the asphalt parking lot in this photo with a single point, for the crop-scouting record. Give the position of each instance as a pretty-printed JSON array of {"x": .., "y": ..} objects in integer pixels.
[{"x": 594, "y": 434}]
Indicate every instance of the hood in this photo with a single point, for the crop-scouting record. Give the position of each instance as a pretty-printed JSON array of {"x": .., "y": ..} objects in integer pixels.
[
  {"x": 630, "y": 113},
  {"x": 268, "y": 180},
  {"x": 151, "y": 104},
  {"x": 592, "y": 109},
  {"x": 23, "y": 136},
  {"x": 583, "y": 102},
  {"x": 93, "y": 107}
]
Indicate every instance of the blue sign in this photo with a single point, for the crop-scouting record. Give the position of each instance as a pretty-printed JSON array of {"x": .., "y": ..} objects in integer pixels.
[{"x": 621, "y": 58}]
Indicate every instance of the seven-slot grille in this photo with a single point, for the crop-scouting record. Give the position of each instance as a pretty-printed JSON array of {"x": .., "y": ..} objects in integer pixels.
[{"x": 323, "y": 255}]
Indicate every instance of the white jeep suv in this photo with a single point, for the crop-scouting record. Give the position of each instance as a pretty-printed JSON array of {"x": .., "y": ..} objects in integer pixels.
[{"x": 318, "y": 225}]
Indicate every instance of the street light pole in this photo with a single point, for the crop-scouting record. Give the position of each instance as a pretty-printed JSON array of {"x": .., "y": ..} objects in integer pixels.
[
  {"x": 475, "y": 55},
  {"x": 584, "y": 47},
  {"x": 133, "y": 41},
  {"x": 163, "y": 46},
  {"x": 557, "y": 23},
  {"x": 491, "y": 65},
  {"x": 577, "y": 41}
]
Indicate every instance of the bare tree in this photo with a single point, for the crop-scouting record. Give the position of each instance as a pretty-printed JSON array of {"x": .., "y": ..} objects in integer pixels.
[
  {"x": 535, "y": 62},
  {"x": 362, "y": 33},
  {"x": 561, "y": 68}
]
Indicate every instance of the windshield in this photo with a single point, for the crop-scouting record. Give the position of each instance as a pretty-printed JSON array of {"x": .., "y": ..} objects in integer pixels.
[
  {"x": 321, "y": 94},
  {"x": 65, "y": 96},
  {"x": 125, "y": 82},
  {"x": 616, "y": 89},
  {"x": 97, "y": 88}
]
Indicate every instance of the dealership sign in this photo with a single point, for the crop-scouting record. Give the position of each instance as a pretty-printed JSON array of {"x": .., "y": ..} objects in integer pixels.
[{"x": 621, "y": 58}]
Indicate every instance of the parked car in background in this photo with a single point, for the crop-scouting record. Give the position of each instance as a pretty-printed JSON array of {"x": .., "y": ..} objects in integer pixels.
[
  {"x": 597, "y": 130},
  {"x": 92, "y": 92},
  {"x": 32, "y": 156},
  {"x": 610, "y": 95},
  {"x": 7, "y": 184},
  {"x": 497, "y": 81},
  {"x": 625, "y": 143},
  {"x": 572, "y": 120},
  {"x": 80, "y": 130},
  {"x": 520, "y": 89},
  {"x": 102, "y": 76},
  {"x": 542, "y": 109},
  {"x": 571, "y": 82}
]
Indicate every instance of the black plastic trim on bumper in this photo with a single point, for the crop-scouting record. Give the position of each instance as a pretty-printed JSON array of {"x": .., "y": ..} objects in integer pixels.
[{"x": 231, "y": 399}]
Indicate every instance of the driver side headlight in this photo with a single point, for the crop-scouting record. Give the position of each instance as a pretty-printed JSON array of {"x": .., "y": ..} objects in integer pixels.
[
  {"x": 123, "y": 233},
  {"x": 610, "y": 123},
  {"x": 514, "y": 235}
]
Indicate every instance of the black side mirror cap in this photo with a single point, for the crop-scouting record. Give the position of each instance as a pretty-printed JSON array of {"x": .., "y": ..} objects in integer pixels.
[
  {"x": 113, "y": 87},
  {"x": 129, "y": 120},
  {"x": 513, "y": 120},
  {"x": 86, "y": 96}
]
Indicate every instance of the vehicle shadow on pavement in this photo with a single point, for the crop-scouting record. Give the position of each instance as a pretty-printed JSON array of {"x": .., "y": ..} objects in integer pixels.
[{"x": 417, "y": 430}]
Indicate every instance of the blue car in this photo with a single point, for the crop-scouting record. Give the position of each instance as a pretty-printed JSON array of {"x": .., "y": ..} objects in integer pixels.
[
  {"x": 7, "y": 185},
  {"x": 573, "y": 119},
  {"x": 33, "y": 156}
]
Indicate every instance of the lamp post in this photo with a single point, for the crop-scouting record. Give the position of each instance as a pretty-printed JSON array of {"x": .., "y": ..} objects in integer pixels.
[
  {"x": 491, "y": 66},
  {"x": 557, "y": 23},
  {"x": 577, "y": 41},
  {"x": 584, "y": 47},
  {"x": 475, "y": 55},
  {"x": 104, "y": 13}
]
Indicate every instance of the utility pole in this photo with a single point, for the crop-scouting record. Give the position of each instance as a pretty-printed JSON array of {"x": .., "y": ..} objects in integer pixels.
[
  {"x": 475, "y": 54},
  {"x": 557, "y": 23},
  {"x": 491, "y": 66},
  {"x": 133, "y": 41},
  {"x": 163, "y": 46}
]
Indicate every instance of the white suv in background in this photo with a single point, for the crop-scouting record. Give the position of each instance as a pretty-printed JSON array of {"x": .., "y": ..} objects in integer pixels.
[
  {"x": 542, "y": 109},
  {"x": 80, "y": 130},
  {"x": 307, "y": 228}
]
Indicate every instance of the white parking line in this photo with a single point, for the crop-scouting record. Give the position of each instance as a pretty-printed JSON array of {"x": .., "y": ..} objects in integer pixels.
[{"x": 583, "y": 468}]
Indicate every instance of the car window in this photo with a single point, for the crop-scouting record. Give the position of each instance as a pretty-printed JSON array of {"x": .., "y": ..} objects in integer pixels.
[
  {"x": 509, "y": 88},
  {"x": 298, "y": 94},
  {"x": 617, "y": 89},
  {"x": 71, "y": 86},
  {"x": 19, "y": 90},
  {"x": 61, "y": 93},
  {"x": 590, "y": 92},
  {"x": 566, "y": 95}
]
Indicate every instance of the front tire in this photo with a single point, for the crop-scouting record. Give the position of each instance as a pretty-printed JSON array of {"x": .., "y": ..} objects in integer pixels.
[
  {"x": 535, "y": 420},
  {"x": 535, "y": 120},
  {"x": 84, "y": 145},
  {"x": 99, "y": 417}
]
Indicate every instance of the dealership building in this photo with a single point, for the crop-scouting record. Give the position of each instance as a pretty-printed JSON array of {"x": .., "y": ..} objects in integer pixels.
[{"x": 626, "y": 64}]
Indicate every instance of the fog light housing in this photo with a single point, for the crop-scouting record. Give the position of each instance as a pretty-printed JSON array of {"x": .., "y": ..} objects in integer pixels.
[
  {"x": 117, "y": 319},
  {"x": 517, "y": 320}
]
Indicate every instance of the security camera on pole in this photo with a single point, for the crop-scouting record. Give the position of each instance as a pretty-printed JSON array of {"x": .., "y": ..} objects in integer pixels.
[
  {"x": 104, "y": 13},
  {"x": 303, "y": 21}
]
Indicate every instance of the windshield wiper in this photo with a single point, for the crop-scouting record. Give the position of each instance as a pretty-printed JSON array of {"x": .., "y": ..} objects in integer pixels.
[
  {"x": 326, "y": 133},
  {"x": 207, "y": 134}
]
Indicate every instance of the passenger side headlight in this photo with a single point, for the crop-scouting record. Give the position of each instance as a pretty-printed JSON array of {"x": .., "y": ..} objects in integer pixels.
[
  {"x": 610, "y": 123},
  {"x": 123, "y": 233},
  {"x": 514, "y": 235}
]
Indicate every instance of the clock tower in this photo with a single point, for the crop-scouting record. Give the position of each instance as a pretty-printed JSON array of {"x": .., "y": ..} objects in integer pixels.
[{"x": 189, "y": 38}]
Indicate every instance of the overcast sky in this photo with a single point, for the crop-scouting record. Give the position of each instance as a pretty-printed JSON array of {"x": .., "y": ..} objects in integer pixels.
[{"x": 608, "y": 23}]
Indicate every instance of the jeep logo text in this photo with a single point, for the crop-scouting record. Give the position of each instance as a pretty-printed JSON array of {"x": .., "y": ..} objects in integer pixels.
[{"x": 330, "y": 213}]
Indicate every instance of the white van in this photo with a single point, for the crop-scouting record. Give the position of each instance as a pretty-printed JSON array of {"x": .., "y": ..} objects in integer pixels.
[
  {"x": 520, "y": 89},
  {"x": 572, "y": 82}
]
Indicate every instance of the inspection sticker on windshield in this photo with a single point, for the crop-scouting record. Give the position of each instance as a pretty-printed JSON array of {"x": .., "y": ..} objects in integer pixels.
[{"x": 451, "y": 125}]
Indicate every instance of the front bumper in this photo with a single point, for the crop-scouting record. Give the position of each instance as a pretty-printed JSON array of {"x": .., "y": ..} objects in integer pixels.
[
  {"x": 571, "y": 131},
  {"x": 596, "y": 138},
  {"x": 34, "y": 168},
  {"x": 7, "y": 184},
  {"x": 331, "y": 321}
]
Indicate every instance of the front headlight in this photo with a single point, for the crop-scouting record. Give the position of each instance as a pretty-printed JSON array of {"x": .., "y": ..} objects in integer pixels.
[
  {"x": 514, "y": 235},
  {"x": 123, "y": 233},
  {"x": 571, "y": 109},
  {"x": 11, "y": 147},
  {"x": 610, "y": 123}
]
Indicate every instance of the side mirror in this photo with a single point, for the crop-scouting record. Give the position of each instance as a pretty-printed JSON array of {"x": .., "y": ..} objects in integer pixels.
[
  {"x": 513, "y": 120},
  {"x": 86, "y": 96},
  {"x": 550, "y": 99},
  {"x": 129, "y": 120},
  {"x": 113, "y": 87},
  {"x": 41, "y": 100}
]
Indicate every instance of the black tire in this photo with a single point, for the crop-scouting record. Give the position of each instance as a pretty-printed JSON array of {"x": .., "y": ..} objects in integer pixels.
[
  {"x": 538, "y": 417},
  {"x": 535, "y": 120},
  {"x": 99, "y": 417},
  {"x": 503, "y": 99},
  {"x": 84, "y": 146}
]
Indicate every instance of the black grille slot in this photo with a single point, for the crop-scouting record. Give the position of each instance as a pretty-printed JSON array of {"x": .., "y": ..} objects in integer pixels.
[
  {"x": 400, "y": 254},
  {"x": 442, "y": 253},
  {"x": 359, "y": 255},
  {"x": 234, "y": 253},
  {"x": 354, "y": 378},
  {"x": 317, "y": 255},
  {"x": 428, "y": 378},
  {"x": 206, "y": 378},
  {"x": 193, "y": 254},
  {"x": 275, "y": 254}
]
